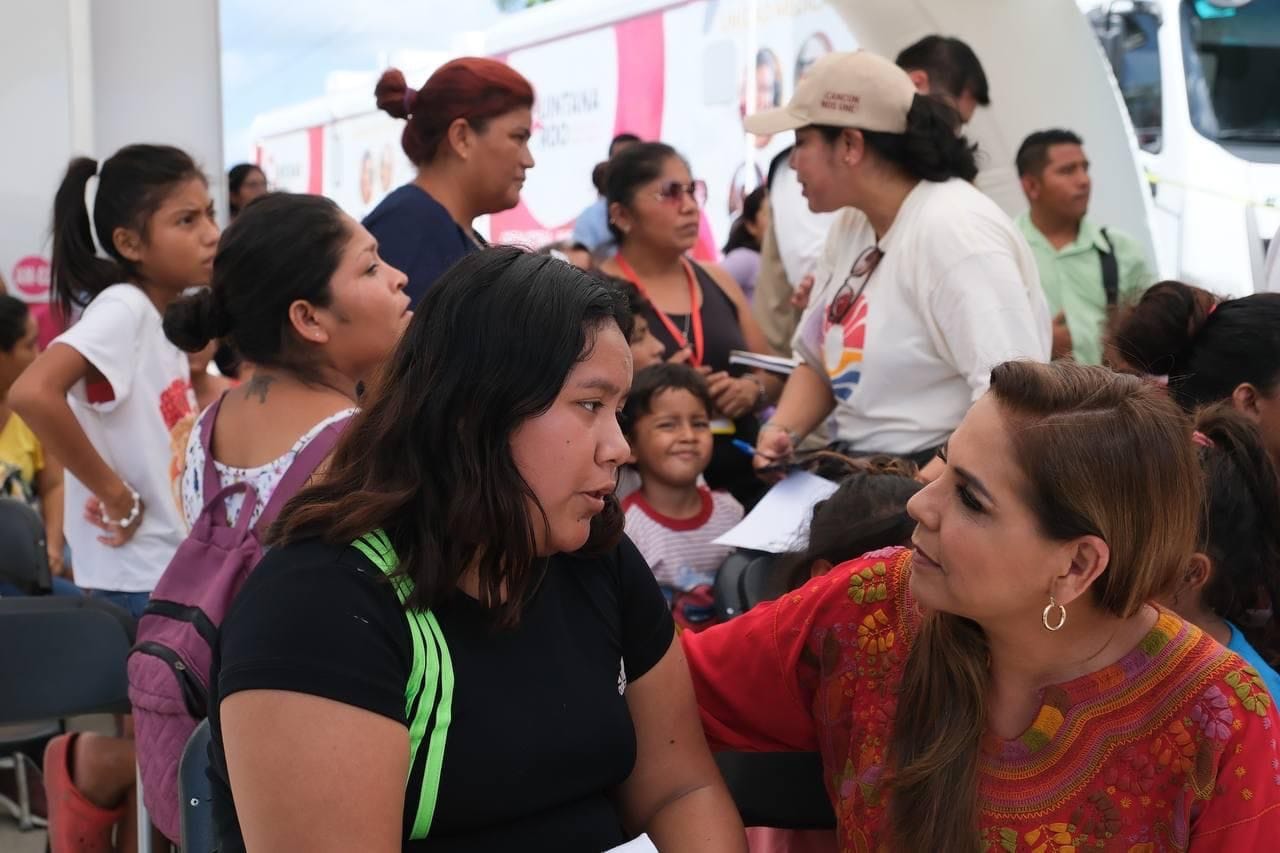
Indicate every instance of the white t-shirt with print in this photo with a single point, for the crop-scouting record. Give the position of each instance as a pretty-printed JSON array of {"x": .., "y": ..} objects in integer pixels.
[
  {"x": 956, "y": 293},
  {"x": 138, "y": 423}
]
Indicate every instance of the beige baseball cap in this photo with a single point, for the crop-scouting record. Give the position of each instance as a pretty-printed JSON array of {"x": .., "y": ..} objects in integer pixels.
[{"x": 858, "y": 89}]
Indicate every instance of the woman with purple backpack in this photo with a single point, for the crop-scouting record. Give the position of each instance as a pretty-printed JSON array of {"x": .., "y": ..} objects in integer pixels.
[{"x": 298, "y": 290}]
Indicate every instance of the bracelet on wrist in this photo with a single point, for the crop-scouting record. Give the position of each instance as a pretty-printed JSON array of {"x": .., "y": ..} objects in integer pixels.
[
  {"x": 762, "y": 395},
  {"x": 791, "y": 434},
  {"x": 134, "y": 511}
]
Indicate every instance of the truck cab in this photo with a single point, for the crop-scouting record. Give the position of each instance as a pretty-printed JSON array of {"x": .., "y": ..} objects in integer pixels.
[{"x": 1200, "y": 80}]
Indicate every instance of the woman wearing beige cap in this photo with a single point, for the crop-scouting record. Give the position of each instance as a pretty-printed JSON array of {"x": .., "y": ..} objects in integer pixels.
[{"x": 924, "y": 284}]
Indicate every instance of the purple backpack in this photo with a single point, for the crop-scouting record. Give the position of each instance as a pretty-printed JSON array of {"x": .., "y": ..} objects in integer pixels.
[{"x": 169, "y": 663}]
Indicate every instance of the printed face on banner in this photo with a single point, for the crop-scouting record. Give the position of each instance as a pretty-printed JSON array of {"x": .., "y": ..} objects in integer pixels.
[{"x": 364, "y": 161}]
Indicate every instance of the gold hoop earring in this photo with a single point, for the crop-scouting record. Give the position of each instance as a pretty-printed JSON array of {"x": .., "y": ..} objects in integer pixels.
[{"x": 1062, "y": 615}]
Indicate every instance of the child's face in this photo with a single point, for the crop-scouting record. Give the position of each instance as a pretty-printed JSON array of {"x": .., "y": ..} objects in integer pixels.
[
  {"x": 181, "y": 239},
  {"x": 672, "y": 442},
  {"x": 645, "y": 348}
]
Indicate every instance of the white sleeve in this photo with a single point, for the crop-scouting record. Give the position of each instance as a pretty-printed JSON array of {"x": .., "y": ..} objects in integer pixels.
[
  {"x": 801, "y": 233},
  {"x": 806, "y": 341},
  {"x": 980, "y": 316},
  {"x": 108, "y": 335}
]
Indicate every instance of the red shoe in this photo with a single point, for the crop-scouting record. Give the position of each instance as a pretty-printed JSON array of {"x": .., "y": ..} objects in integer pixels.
[{"x": 75, "y": 824}]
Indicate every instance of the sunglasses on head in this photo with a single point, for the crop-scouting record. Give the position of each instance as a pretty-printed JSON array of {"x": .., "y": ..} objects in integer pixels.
[{"x": 673, "y": 192}]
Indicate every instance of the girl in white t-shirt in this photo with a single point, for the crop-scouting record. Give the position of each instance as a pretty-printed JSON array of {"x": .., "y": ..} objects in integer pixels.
[
  {"x": 111, "y": 396},
  {"x": 924, "y": 284}
]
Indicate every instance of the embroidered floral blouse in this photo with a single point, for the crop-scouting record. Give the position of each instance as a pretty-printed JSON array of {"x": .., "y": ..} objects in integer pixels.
[{"x": 1171, "y": 748}]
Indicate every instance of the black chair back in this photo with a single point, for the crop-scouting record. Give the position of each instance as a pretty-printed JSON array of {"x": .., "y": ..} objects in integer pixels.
[
  {"x": 62, "y": 657},
  {"x": 744, "y": 579},
  {"x": 196, "y": 792},
  {"x": 778, "y": 789},
  {"x": 758, "y": 583},
  {"x": 24, "y": 557}
]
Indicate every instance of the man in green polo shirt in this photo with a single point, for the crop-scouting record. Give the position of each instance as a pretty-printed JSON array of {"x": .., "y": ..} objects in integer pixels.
[{"x": 1084, "y": 269}]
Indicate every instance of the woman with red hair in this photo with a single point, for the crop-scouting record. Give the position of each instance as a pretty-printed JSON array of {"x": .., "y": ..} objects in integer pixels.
[{"x": 467, "y": 131}]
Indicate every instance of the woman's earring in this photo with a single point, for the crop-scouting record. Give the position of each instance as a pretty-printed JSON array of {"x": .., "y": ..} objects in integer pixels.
[{"x": 1049, "y": 608}]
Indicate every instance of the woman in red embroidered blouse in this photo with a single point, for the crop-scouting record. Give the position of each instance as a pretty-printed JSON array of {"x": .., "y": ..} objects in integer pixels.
[{"x": 1006, "y": 686}]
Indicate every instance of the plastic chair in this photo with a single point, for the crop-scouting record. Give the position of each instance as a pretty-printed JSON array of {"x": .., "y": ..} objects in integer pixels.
[
  {"x": 758, "y": 583},
  {"x": 63, "y": 657},
  {"x": 743, "y": 580},
  {"x": 197, "y": 793},
  {"x": 15, "y": 743},
  {"x": 778, "y": 789},
  {"x": 726, "y": 592},
  {"x": 25, "y": 563}
]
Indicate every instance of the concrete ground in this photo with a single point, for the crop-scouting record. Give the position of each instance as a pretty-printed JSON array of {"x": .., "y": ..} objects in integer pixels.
[{"x": 13, "y": 841}]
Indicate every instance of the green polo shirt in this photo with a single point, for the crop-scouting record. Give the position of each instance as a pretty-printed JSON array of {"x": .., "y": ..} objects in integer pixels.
[{"x": 1072, "y": 280}]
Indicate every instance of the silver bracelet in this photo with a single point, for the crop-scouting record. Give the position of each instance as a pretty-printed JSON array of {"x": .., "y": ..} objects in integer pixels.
[
  {"x": 763, "y": 396},
  {"x": 126, "y": 522}
]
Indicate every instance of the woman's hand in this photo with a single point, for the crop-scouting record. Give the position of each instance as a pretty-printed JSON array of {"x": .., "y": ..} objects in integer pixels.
[
  {"x": 734, "y": 397},
  {"x": 773, "y": 445},
  {"x": 800, "y": 296},
  {"x": 681, "y": 356},
  {"x": 117, "y": 510}
]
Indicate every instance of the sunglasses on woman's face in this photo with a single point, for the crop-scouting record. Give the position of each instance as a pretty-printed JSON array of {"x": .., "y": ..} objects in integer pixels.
[{"x": 673, "y": 192}]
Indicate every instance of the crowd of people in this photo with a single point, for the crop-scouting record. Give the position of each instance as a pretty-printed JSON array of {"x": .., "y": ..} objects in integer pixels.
[{"x": 428, "y": 528}]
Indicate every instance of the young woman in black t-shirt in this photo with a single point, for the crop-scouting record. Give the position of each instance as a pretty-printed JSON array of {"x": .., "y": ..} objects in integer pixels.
[{"x": 452, "y": 648}]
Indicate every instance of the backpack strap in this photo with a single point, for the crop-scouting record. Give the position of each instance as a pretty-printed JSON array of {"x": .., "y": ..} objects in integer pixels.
[
  {"x": 428, "y": 694},
  {"x": 1110, "y": 270},
  {"x": 300, "y": 470},
  {"x": 212, "y": 482}
]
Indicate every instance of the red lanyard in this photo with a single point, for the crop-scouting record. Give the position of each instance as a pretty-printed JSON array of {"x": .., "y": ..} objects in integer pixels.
[{"x": 696, "y": 314}]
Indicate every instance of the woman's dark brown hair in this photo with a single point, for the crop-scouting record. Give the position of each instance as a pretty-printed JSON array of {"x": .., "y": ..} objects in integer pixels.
[
  {"x": 428, "y": 459},
  {"x": 1103, "y": 454}
]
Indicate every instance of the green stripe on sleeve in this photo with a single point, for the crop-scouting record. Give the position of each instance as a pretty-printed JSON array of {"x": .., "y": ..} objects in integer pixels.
[{"x": 444, "y": 716}]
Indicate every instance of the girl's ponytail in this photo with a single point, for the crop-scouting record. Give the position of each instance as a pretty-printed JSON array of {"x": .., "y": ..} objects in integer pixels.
[{"x": 78, "y": 271}]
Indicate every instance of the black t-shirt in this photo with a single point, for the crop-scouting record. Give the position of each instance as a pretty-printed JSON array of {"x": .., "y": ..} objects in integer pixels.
[{"x": 540, "y": 735}]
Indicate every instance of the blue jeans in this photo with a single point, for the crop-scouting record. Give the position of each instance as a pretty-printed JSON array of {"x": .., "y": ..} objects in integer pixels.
[
  {"x": 134, "y": 602},
  {"x": 61, "y": 586}
]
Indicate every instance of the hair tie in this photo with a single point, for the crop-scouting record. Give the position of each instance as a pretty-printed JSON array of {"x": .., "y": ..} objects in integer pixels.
[
  {"x": 1201, "y": 439},
  {"x": 410, "y": 96},
  {"x": 90, "y": 199}
]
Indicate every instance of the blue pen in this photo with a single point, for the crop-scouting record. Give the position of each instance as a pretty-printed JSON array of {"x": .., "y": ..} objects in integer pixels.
[{"x": 774, "y": 464}]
